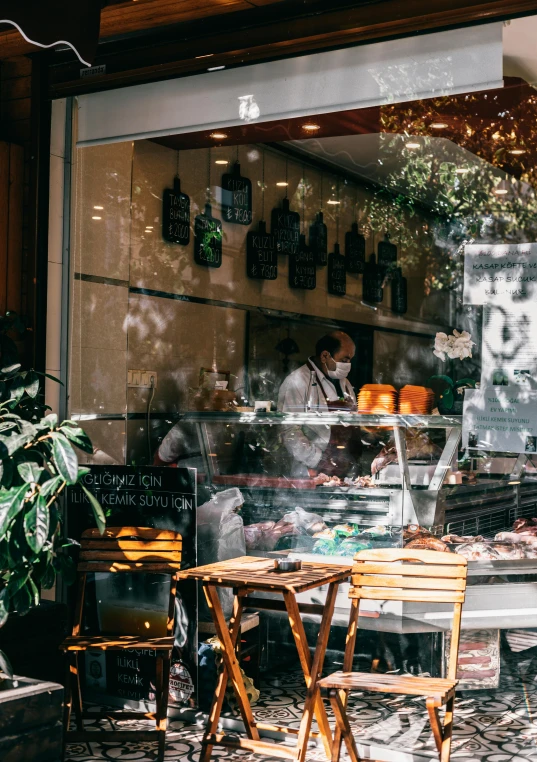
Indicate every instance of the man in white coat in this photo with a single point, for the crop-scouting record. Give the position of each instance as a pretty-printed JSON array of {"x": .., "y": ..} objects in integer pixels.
[{"x": 321, "y": 385}]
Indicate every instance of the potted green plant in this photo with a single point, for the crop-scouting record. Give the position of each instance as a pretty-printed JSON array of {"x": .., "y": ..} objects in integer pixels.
[
  {"x": 37, "y": 462},
  {"x": 456, "y": 346}
]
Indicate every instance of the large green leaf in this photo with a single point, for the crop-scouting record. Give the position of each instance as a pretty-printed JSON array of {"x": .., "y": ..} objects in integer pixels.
[
  {"x": 97, "y": 510},
  {"x": 30, "y": 471},
  {"x": 50, "y": 421},
  {"x": 64, "y": 458},
  {"x": 4, "y": 610},
  {"x": 447, "y": 379},
  {"x": 78, "y": 437},
  {"x": 447, "y": 398},
  {"x": 31, "y": 384},
  {"x": 36, "y": 524},
  {"x": 16, "y": 581},
  {"x": 5, "y": 665},
  {"x": 51, "y": 485},
  {"x": 65, "y": 565},
  {"x": 22, "y": 600},
  {"x": 11, "y": 502},
  {"x": 49, "y": 577}
]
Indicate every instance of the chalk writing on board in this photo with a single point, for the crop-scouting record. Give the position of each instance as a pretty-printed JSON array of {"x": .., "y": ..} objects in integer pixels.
[
  {"x": 302, "y": 271},
  {"x": 387, "y": 254},
  {"x": 319, "y": 240},
  {"x": 354, "y": 251},
  {"x": 207, "y": 239},
  {"x": 337, "y": 274},
  {"x": 261, "y": 254},
  {"x": 285, "y": 227},
  {"x": 236, "y": 197},
  {"x": 176, "y": 215}
]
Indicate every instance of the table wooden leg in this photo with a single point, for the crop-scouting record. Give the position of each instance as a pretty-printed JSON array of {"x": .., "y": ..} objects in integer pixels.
[
  {"x": 221, "y": 683},
  {"x": 312, "y": 670},
  {"x": 230, "y": 661},
  {"x": 350, "y": 646}
]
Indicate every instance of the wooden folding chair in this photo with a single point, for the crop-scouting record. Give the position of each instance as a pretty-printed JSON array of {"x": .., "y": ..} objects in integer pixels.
[
  {"x": 395, "y": 574},
  {"x": 123, "y": 549}
]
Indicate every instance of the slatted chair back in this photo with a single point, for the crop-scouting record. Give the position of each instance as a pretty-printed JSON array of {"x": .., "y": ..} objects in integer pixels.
[
  {"x": 129, "y": 549},
  {"x": 429, "y": 576}
]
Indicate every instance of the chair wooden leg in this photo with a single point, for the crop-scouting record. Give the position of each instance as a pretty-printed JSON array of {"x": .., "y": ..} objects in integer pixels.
[
  {"x": 68, "y": 700},
  {"x": 448, "y": 731},
  {"x": 350, "y": 647},
  {"x": 162, "y": 694},
  {"x": 436, "y": 725},
  {"x": 76, "y": 690},
  {"x": 345, "y": 732}
]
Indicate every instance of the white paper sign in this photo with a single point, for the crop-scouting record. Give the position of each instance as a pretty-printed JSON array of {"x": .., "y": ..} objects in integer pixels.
[
  {"x": 509, "y": 347},
  {"x": 500, "y": 418},
  {"x": 501, "y": 274}
]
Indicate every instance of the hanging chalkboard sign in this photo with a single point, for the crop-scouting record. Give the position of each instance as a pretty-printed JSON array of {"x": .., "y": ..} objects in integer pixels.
[
  {"x": 373, "y": 290},
  {"x": 176, "y": 215},
  {"x": 354, "y": 250},
  {"x": 319, "y": 240},
  {"x": 207, "y": 239},
  {"x": 302, "y": 272},
  {"x": 387, "y": 254},
  {"x": 285, "y": 227},
  {"x": 236, "y": 197},
  {"x": 261, "y": 254},
  {"x": 337, "y": 274},
  {"x": 399, "y": 292}
]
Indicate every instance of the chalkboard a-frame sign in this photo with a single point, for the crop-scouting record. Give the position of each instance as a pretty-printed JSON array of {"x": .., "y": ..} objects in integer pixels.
[
  {"x": 207, "y": 239},
  {"x": 285, "y": 226},
  {"x": 176, "y": 215},
  {"x": 337, "y": 274},
  {"x": 261, "y": 254},
  {"x": 236, "y": 197},
  {"x": 302, "y": 271}
]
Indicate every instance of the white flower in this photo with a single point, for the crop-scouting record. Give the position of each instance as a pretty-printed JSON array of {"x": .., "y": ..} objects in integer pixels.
[{"x": 456, "y": 346}]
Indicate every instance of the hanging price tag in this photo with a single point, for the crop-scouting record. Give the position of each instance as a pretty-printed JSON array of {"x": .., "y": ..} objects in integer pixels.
[
  {"x": 207, "y": 239},
  {"x": 176, "y": 215},
  {"x": 236, "y": 197},
  {"x": 261, "y": 254},
  {"x": 302, "y": 272},
  {"x": 319, "y": 240},
  {"x": 285, "y": 227},
  {"x": 387, "y": 254},
  {"x": 354, "y": 251},
  {"x": 337, "y": 274}
]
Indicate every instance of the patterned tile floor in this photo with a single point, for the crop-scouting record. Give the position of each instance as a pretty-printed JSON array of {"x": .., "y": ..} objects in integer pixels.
[{"x": 495, "y": 726}]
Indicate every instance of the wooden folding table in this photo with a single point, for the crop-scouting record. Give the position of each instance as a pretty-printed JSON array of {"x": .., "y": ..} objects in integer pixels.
[{"x": 246, "y": 575}]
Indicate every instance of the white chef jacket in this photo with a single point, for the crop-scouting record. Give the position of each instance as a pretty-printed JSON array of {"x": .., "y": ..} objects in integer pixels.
[{"x": 298, "y": 394}]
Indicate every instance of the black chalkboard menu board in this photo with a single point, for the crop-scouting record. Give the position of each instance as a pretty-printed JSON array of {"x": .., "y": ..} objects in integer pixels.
[
  {"x": 354, "y": 250},
  {"x": 373, "y": 289},
  {"x": 176, "y": 214},
  {"x": 261, "y": 254},
  {"x": 207, "y": 239},
  {"x": 399, "y": 292},
  {"x": 143, "y": 496},
  {"x": 319, "y": 240},
  {"x": 337, "y": 274},
  {"x": 236, "y": 197},
  {"x": 387, "y": 254},
  {"x": 302, "y": 271},
  {"x": 285, "y": 227}
]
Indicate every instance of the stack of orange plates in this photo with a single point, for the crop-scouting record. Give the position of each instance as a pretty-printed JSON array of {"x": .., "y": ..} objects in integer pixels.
[
  {"x": 416, "y": 400},
  {"x": 377, "y": 399}
]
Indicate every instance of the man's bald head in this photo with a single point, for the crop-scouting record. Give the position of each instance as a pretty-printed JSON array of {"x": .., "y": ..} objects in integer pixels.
[{"x": 337, "y": 346}]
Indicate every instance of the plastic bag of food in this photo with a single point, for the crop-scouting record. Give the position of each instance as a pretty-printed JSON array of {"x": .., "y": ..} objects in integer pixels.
[
  {"x": 352, "y": 545},
  {"x": 220, "y": 537},
  {"x": 306, "y": 523}
]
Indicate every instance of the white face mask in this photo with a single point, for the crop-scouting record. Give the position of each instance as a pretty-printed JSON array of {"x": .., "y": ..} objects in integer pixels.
[{"x": 342, "y": 370}]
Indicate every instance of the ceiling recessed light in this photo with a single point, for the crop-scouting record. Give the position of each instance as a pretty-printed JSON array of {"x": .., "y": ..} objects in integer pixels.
[
  {"x": 98, "y": 207},
  {"x": 412, "y": 145},
  {"x": 218, "y": 135},
  {"x": 207, "y": 55},
  {"x": 514, "y": 151},
  {"x": 311, "y": 127},
  {"x": 462, "y": 170},
  {"x": 501, "y": 191},
  {"x": 332, "y": 201},
  {"x": 221, "y": 161},
  {"x": 216, "y": 68},
  {"x": 149, "y": 227},
  {"x": 282, "y": 185},
  {"x": 439, "y": 125},
  {"x": 96, "y": 218}
]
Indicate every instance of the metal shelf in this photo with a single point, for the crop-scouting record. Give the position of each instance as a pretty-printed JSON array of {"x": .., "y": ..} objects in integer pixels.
[{"x": 323, "y": 419}]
